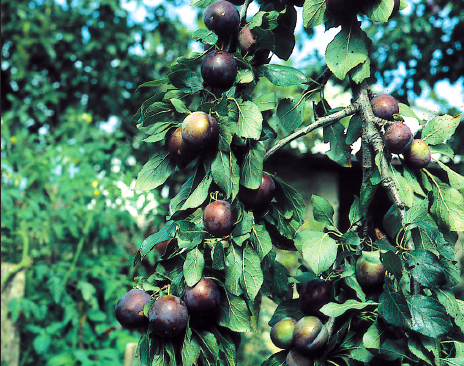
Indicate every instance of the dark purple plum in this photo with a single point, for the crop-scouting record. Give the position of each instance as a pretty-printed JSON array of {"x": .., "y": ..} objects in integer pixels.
[
  {"x": 178, "y": 149},
  {"x": 199, "y": 129},
  {"x": 384, "y": 106},
  {"x": 297, "y": 358},
  {"x": 168, "y": 316},
  {"x": 129, "y": 309},
  {"x": 398, "y": 137},
  {"x": 282, "y": 333},
  {"x": 315, "y": 294},
  {"x": 203, "y": 298},
  {"x": 219, "y": 69},
  {"x": 370, "y": 275},
  {"x": 258, "y": 199},
  {"x": 310, "y": 335},
  {"x": 418, "y": 156},
  {"x": 222, "y": 17},
  {"x": 219, "y": 219}
]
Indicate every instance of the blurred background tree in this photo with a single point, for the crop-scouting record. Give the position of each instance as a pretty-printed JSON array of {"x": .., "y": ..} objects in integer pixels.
[{"x": 70, "y": 150}]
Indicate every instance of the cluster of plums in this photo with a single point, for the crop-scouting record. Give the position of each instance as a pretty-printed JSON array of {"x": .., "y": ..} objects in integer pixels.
[
  {"x": 307, "y": 337},
  {"x": 168, "y": 316},
  {"x": 219, "y": 68},
  {"x": 398, "y": 137},
  {"x": 219, "y": 217}
]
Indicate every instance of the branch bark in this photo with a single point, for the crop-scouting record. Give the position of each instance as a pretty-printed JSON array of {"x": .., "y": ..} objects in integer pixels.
[{"x": 320, "y": 122}]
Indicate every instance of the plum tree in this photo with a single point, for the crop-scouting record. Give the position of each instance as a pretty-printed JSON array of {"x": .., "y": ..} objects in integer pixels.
[
  {"x": 314, "y": 294},
  {"x": 297, "y": 358},
  {"x": 282, "y": 333},
  {"x": 418, "y": 155},
  {"x": 385, "y": 106},
  {"x": 219, "y": 219},
  {"x": 398, "y": 137},
  {"x": 129, "y": 309},
  {"x": 168, "y": 316},
  {"x": 219, "y": 69},
  {"x": 199, "y": 129},
  {"x": 222, "y": 18},
  {"x": 258, "y": 199},
  {"x": 310, "y": 335},
  {"x": 370, "y": 273},
  {"x": 177, "y": 147},
  {"x": 219, "y": 227},
  {"x": 203, "y": 298}
]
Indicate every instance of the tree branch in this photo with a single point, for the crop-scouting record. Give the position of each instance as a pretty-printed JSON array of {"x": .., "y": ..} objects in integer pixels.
[{"x": 320, "y": 122}]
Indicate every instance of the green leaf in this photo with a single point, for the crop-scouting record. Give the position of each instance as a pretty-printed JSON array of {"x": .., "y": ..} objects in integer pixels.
[
  {"x": 193, "y": 192},
  {"x": 282, "y": 75},
  {"x": 318, "y": 249},
  {"x": 323, "y": 211},
  {"x": 186, "y": 80},
  {"x": 189, "y": 235},
  {"x": 314, "y": 13},
  {"x": 456, "y": 180},
  {"x": 234, "y": 313},
  {"x": 155, "y": 171},
  {"x": 371, "y": 339},
  {"x": 425, "y": 268},
  {"x": 265, "y": 102},
  {"x": 167, "y": 232},
  {"x": 288, "y": 308},
  {"x": 417, "y": 349},
  {"x": 290, "y": 114},
  {"x": 379, "y": 11},
  {"x": 209, "y": 345},
  {"x": 392, "y": 263},
  {"x": 233, "y": 270},
  {"x": 339, "y": 152},
  {"x": 158, "y": 131},
  {"x": 201, "y": 3},
  {"x": 179, "y": 105},
  {"x": 193, "y": 266},
  {"x": 261, "y": 240},
  {"x": 226, "y": 173},
  {"x": 440, "y": 129},
  {"x": 206, "y": 36},
  {"x": 41, "y": 343},
  {"x": 354, "y": 130},
  {"x": 252, "y": 166},
  {"x": 448, "y": 207},
  {"x": 250, "y": 120},
  {"x": 449, "y": 302},
  {"x": 226, "y": 347},
  {"x": 252, "y": 274},
  {"x": 190, "y": 349},
  {"x": 347, "y": 50},
  {"x": 394, "y": 309},
  {"x": 333, "y": 309},
  {"x": 428, "y": 316},
  {"x": 276, "y": 359},
  {"x": 153, "y": 83},
  {"x": 406, "y": 111},
  {"x": 405, "y": 190}
]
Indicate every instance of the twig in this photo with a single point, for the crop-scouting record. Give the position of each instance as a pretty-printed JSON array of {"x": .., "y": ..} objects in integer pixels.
[
  {"x": 321, "y": 80},
  {"x": 320, "y": 122}
]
